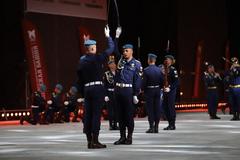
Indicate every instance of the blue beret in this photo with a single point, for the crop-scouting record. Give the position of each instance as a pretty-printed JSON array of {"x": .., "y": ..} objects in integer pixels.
[
  {"x": 170, "y": 56},
  {"x": 152, "y": 56},
  {"x": 59, "y": 86},
  {"x": 90, "y": 42},
  {"x": 127, "y": 46},
  {"x": 43, "y": 88},
  {"x": 74, "y": 89}
]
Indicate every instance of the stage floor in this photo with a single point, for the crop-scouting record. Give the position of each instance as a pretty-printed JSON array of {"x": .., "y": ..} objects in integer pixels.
[{"x": 196, "y": 137}]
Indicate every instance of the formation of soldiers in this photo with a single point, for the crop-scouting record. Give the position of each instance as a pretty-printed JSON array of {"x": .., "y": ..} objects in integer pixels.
[
  {"x": 119, "y": 87},
  {"x": 231, "y": 81}
]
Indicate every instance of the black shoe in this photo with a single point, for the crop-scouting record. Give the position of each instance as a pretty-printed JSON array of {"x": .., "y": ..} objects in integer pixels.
[
  {"x": 216, "y": 117},
  {"x": 95, "y": 144},
  {"x": 155, "y": 130},
  {"x": 150, "y": 130},
  {"x": 170, "y": 128},
  {"x": 122, "y": 140},
  {"x": 128, "y": 141}
]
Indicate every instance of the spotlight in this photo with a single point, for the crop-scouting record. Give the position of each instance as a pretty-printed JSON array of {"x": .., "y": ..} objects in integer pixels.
[
  {"x": 19, "y": 113},
  {"x": 181, "y": 93},
  {"x": 3, "y": 115},
  {"x": 28, "y": 113},
  {"x": 11, "y": 114},
  {"x": 16, "y": 114},
  {"x": 24, "y": 114},
  {"x": 7, "y": 114}
]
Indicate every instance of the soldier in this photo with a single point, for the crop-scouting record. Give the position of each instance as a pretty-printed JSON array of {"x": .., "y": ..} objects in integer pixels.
[
  {"x": 38, "y": 106},
  {"x": 211, "y": 79},
  {"x": 90, "y": 82},
  {"x": 127, "y": 88},
  {"x": 54, "y": 111},
  {"x": 70, "y": 104},
  {"x": 228, "y": 98},
  {"x": 110, "y": 95},
  {"x": 152, "y": 84},
  {"x": 171, "y": 83},
  {"x": 234, "y": 88}
]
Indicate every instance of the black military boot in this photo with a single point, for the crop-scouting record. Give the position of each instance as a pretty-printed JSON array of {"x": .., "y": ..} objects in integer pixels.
[
  {"x": 151, "y": 129},
  {"x": 115, "y": 126},
  {"x": 237, "y": 116},
  {"x": 234, "y": 116},
  {"x": 129, "y": 139},
  {"x": 122, "y": 138},
  {"x": 96, "y": 144},
  {"x": 156, "y": 128},
  {"x": 89, "y": 140},
  {"x": 111, "y": 127},
  {"x": 171, "y": 126}
]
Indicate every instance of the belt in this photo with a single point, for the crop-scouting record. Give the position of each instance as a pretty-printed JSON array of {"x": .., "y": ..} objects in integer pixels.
[
  {"x": 214, "y": 87},
  {"x": 153, "y": 86},
  {"x": 93, "y": 83},
  {"x": 123, "y": 85},
  {"x": 110, "y": 89},
  {"x": 34, "y": 106},
  {"x": 234, "y": 86}
]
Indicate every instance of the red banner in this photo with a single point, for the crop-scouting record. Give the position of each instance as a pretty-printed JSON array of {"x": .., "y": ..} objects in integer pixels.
[{"x": 35, "y": 56}]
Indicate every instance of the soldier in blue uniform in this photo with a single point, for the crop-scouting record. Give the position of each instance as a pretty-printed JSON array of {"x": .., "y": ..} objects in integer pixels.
[
  {"x": 170, "y": 84},
  {"x": 55, "y": 106},
  {"x": 37, "y": 107},
  {"x": 127, "y": 87},
  {"x": 212, "y": 79},
  {"x": 234, "y": 88},
  {"x": 110, "y": 99},
  {"x": 152, "y": 84},
  {"x": 90, "y": 82},
  {"x": 70, "y": 104}
]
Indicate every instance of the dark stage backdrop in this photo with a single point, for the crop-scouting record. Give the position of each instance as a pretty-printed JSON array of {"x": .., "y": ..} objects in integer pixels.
[
  {"x": 183, "y": 22},
  {"x": 62, "y": 43}
]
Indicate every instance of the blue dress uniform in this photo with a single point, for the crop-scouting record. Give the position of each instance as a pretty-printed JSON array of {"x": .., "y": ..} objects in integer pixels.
[
  {"x": 38, "y": 106},
  {"x": 152, "y": 84},
  {"x": 127, "y": 84},
  {"x": 234, "y": 90},
  {"x": 70, "y": 104},
  {"x": 170, "y": 97},
  {"x": 109, "y": 84},
  {"x": 55, "y": 107},
  {"x": 90, "y": 81},
  {"x": 211, "y": 83}
]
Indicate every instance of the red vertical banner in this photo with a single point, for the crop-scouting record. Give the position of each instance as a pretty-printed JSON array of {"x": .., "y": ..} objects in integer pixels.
[
  {"x": 197, "y": 69},
  {"x": 35, "y": 56}
]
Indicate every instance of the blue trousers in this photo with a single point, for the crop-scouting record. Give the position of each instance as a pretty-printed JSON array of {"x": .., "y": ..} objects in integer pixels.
[
  {"x": 212, "y": 101},
  {"x": 169, "y": 106},
  {"x": 93, "y": 102},
  {"x": 235, "y": 96},
  {"x": 152, "y": 97},
  {"x": 124, "y": 98}
]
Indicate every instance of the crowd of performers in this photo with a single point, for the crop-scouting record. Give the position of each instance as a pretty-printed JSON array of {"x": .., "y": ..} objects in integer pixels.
[{"x": 120, "y": 86}]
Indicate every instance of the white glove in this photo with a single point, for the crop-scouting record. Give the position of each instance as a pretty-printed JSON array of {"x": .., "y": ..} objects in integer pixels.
[
  {"x": 107, "y": 31},
  {"x": 106, "y": 98},
  {"x": 80, "y": 100},
  {"x": 66, "y": 103},
  {"x": 135, "y": 100},
  {"x": 167, "y": 89},
  {"x": 49, "y": 102},
  {"x": 118, "y": 32}
]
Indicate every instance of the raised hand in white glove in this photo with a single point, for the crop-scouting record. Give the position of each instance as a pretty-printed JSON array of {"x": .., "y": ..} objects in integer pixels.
[
  {"x": 49, "y": 102},
  {"x": 167, "y": 89},
  {"x": 106, "y": 98},
  {"x": 80, "y": 100},
  {"x": 118, "y": 32},
  {"x": 66, "y": 103},
  {"x": 107, "y": 31},
  {"x": 135, "y": 100}
]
